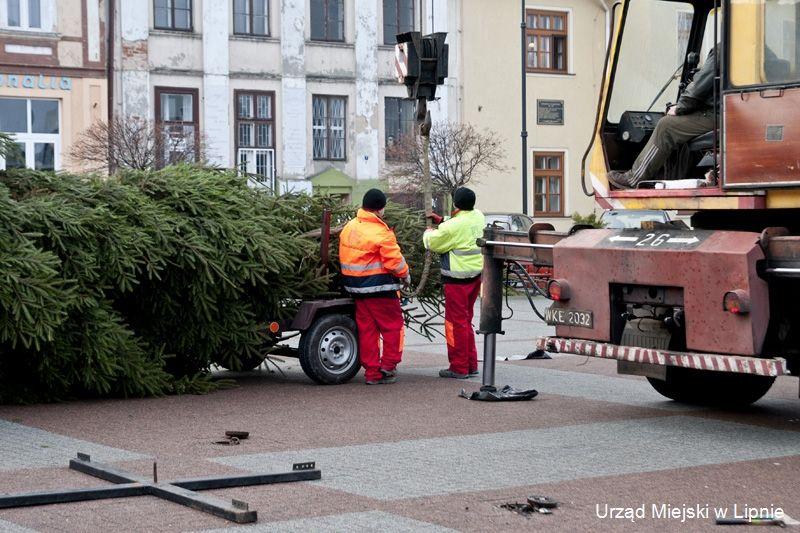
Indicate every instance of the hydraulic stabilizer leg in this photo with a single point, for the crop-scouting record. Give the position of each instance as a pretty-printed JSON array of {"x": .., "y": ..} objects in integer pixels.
[
  {"x": 491, "y": 311},
  {"x": 492, "y": 324}
]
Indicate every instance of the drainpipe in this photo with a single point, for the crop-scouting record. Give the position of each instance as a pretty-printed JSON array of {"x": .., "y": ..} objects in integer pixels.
[
  {"x": 111, "y": 16},
  {"x": 110, "y": 30}
]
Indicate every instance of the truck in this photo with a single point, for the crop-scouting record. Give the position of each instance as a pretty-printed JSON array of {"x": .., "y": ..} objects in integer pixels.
[{"x": 706, "y": 313}]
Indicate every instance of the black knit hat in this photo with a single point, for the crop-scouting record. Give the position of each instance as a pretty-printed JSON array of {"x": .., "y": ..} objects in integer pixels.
[
  {"x": 464, "y": 199},
  {"x": 374, "y": 200}
]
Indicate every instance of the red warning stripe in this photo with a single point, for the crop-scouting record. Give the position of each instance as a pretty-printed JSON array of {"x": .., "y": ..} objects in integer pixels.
[{"x": 701, "y": 361}]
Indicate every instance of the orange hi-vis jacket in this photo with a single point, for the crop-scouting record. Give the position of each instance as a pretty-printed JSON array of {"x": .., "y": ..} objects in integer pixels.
[{"x": 370, "y": 257}]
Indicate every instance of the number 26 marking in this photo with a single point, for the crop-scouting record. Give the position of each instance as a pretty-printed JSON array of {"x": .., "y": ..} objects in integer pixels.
[{"x": 653, "y": 239}]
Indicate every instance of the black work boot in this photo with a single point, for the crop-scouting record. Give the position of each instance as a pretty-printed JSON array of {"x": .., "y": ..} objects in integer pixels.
[
  {"x": 620, "y": 180},
  {"x": 447, "y": 373}
]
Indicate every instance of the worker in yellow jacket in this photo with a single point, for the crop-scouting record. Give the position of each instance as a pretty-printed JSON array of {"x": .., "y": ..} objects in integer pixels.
[
  {"x": 461, "y": 266},
  {"x": 373, "y": 271}
]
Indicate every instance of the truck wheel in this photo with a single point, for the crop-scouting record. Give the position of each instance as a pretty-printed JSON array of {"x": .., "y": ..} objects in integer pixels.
[
  {"x": 724, "y": 389},
  {"x": 329, "y": 350}
]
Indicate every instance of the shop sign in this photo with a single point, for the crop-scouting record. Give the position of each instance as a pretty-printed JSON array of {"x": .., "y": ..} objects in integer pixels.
[{"x": 35, "y": 81}]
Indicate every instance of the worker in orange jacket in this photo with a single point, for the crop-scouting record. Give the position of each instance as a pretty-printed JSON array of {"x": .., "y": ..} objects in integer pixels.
[{"x": 373, "y": 271}]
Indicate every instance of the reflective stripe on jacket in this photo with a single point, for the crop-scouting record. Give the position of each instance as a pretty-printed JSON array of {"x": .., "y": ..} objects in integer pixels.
[
  {"x": 455, "y": 241},
  {"x": 369, "y": 255}
]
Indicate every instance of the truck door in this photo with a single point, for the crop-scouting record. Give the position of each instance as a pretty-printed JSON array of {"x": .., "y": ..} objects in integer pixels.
[{"x": 761, "y": 96}]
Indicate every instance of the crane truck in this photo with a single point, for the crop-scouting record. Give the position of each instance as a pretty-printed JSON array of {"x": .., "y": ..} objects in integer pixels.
[{"x": 707, "y": 314}]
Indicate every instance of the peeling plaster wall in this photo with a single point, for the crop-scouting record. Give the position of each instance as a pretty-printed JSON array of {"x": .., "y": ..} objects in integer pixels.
[
  {"x": 135, "y": 77},
  {"x": 216, "y": 94},
  {"x": 293, "y": 90},
  {"x": 367, "y": 117}
]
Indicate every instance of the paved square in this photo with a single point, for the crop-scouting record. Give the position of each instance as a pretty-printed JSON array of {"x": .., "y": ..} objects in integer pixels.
[
  {"x": 430, "y": 467},
  {"x": 29, "y": 447},
  {"x": 350, "y": 522}
]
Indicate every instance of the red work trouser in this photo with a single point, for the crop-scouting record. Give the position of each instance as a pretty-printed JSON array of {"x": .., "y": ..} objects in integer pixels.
[
  {"x": 379, "y": 318},
  {"x": 459, "y": 306}
]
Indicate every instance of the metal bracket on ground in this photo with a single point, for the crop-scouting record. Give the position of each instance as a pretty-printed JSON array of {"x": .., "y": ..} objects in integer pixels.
[{"x": 181, "y": 491}]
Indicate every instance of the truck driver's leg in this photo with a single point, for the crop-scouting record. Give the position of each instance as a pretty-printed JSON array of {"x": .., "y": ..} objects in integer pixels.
[{"x": 671, "y": 131}]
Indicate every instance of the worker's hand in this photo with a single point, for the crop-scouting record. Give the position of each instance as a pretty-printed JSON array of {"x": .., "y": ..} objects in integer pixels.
[
  {"x": 436, "y": 219},
  {"x": 672, "y": 110},
  {"x": 407, "y": 281}
]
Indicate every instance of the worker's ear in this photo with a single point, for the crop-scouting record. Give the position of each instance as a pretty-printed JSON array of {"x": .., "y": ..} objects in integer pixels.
[{"x": 381, "y": 212}]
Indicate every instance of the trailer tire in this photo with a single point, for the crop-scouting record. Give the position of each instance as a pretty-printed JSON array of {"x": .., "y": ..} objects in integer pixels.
[
  {"x": 329, "y": 350},
  {"x": 704, "y": 387}
]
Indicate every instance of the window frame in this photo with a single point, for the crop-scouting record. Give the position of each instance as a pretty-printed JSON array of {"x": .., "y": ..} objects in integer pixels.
[
  {"x": 328, "y": 98},
  {"x": 539, "y": 32},
  {"x": 161, "y": 90},
  {"x": 255, "y": 121},
  {"x": 549, "y": 174},
  {"x": 391, "y": 39},
  {"x": 386, "y": 100},
  {"x": 171, "y": 10},
  {"x": 250, "y": 16},
  {"x": 45, "y": 22},
  {"x": 30, "y": 139},
  {"x": 327, "y": 38}
]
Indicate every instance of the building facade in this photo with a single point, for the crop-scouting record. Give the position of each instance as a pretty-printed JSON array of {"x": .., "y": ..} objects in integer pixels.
[
  {"x": 300, "y": 93},
  {"x": 565, "y": 51},
  {"x": 52, "y": 77}
]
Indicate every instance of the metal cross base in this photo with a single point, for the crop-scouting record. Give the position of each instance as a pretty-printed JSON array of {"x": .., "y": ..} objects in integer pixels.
[{"x": 181, "y": 492}]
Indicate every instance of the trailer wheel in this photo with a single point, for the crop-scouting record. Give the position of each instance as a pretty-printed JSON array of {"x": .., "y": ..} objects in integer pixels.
[
  {"x": 329, "y": 350},
  {"x": 705, "y": 387}
]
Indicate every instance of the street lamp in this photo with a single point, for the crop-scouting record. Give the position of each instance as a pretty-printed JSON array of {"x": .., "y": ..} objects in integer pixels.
[{"x": 524, "y": 133}]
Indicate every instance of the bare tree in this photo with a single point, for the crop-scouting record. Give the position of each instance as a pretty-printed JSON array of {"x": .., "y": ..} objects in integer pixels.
[
  {"x": 136, "y": 143},
  {"x": 458, "y": 154}
]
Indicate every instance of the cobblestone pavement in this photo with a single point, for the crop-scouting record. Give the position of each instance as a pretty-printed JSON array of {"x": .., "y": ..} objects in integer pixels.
[{"x": 414, "y": 456}]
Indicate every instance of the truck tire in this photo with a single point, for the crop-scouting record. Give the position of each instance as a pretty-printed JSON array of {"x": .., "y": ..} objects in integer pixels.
[
  {"x": 703, "y": 387},
  {"x": 329, "y": 350}
]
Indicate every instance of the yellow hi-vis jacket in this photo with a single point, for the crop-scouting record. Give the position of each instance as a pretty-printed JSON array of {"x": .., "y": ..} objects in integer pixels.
[
  {"x": 455, "y": 241},
  {"x": 370, "y": 256}
]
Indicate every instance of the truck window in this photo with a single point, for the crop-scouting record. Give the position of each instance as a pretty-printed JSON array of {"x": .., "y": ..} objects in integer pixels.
[
  {"x": 654, "y": 42},
  {"x": 765, "y": 45}
]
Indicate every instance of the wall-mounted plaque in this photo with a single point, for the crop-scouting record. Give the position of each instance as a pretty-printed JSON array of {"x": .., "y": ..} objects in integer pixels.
[{"x": 550, "y": 112}]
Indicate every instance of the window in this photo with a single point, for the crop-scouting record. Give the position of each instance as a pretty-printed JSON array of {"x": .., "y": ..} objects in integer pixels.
[
  {"x": 399, "y": 116},
  {"x": 548, "y": 181},
  {"x": 255, "y": 133},
  {"x": 176, "y": 112},
  {"x": 327, "y": 20},
  {"x": 650, "y": 32},
  {"x": 398, "y": 17},
  {"x": 769, "y": 51},
  {"x": 684, "y": 29},
  {"x": 34, "y": 124},
  {"x": 546, "y": 39},
  {"x": 328, "y": 126},
  {"x": 173, "y": 15},
  {"x": 23, "y": 14},
  {"x": 251, "y": 17}
]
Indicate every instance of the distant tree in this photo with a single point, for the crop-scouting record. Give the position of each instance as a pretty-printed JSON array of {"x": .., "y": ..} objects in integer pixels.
[
  {"x": 135, "y": 143},
  {"x": 459, "y": 153}
]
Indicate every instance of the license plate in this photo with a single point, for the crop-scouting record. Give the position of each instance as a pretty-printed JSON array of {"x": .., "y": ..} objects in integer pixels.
[{"x": 558, "y": 316}]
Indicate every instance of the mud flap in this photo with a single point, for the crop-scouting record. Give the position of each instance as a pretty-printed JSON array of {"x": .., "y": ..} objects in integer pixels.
[{"x": 505, "y": 394}]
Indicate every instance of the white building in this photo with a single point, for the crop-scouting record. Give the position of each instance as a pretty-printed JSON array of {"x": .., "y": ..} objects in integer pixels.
[{"x": 290, "y": 88}]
